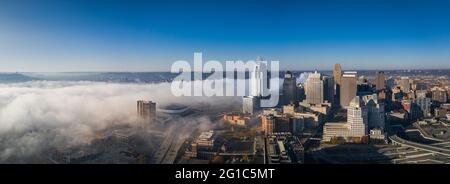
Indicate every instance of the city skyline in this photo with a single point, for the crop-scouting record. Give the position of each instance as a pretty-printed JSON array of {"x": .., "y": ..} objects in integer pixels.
[{"x": 81, "y": 36}]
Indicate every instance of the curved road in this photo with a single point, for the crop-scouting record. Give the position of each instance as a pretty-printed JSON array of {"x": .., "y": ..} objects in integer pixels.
[{"x": 434, "y": 149}]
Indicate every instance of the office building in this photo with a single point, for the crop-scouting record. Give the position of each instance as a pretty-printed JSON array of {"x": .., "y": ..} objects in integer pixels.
[
  {"x": 314, "y": 89},
  {"x": 289, "y": 88},
  {"x": 236, "y": 119},
  {"x": 146, "y": 111},
  {"x": 250, "y": 104},
  {"x": 357, "y": 117},
  {"x": 274, "y": 120},
  {"x": 356, "y": 127},
  {"x": 348, "y": 88},
  {"x": 421, "y": 93},
  {"x": 301, "y": 94},
  {"x": 390, "y": 83},
  {"x": 405, "y": 84},
  {"x": 337, "y": 74},
  {"x": 439, "y": 95},
  {"x": 448, "y": 94},
  {"x": 377, "y": 134},
  {"x": 259, "y": 78},
  {"x": 380, "y": 81},
  {"x": 268, "y": 123},
  {"x": 440, "y": 112},
  {"x": 375, "y": 112},
  {"x": 328, "y": 89},
  {"x": 424, "y": 104}
]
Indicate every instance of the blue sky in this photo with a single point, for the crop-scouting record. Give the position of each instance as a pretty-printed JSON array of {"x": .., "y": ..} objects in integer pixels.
[{"x": 108, "y": 35}]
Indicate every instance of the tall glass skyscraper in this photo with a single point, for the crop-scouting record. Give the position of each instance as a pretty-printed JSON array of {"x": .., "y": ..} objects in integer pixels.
[{"x": 259, "y": 78}]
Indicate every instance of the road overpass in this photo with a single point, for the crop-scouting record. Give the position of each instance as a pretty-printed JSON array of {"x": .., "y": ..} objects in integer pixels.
[{"x": 433, "y": 149}]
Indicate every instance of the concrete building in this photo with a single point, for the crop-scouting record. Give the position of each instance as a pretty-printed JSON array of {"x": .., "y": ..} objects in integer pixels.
[
  {"x": 250, "y": 104},
  {"x": 337, "y": 74},
  {"x": 290, "y": 120},
  {"x": 203, "y": 146},
  {"x": 440, "y": 112},
  {"x": 268, "y": 123},
  {"x": 278, "y": 151},
  {"x": 357, "y": 117},
  {"x": 273, "y": 123},
  {"x": 206, "y": 139},
  {"x": 322, "y": 108},
  {"x": 377, "y": 134},
  {"x": 448, "y": 94},
  {"x": 421, "y": 93},
  {"x": 439, "y": 95},
  {"x": 236, "y": 119},
  {"x": 314, "y": 89},
  {"x": 405, "y": 84},
  {"x": 146, "y": 110},
  {"x": 348, "y": 88},
  {"x": 356, "y": 127},
  {"x": 380, "y": 81}
]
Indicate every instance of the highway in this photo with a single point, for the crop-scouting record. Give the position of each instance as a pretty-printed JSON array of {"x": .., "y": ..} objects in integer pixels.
[{"x": 430, "y": 148}]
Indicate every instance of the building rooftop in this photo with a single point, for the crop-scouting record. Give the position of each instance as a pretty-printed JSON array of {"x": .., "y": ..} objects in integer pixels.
[{"x": 206, "y": 135}]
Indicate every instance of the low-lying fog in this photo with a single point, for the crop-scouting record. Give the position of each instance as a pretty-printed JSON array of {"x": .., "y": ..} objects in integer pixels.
[{"x": 37, "y": 115}]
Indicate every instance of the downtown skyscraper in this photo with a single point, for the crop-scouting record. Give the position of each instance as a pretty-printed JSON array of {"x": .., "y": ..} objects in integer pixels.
[
  {"x": 337, "y": 74},
  {"x": 348, "y": 88},
  {"x": 380, "y": 81},
  {"x": 289, "y": 88},
  {"x": 314, "y": 89},
  {"x": 259, "y": 78},
  {"x": 146, "y": 111}
]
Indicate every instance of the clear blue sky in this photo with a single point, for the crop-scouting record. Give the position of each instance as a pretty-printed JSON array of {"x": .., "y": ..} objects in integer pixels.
[{"x": 107, "y": 35}]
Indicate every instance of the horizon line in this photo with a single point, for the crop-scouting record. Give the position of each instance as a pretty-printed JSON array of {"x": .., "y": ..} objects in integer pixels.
[{"x": 168, "y": 71}]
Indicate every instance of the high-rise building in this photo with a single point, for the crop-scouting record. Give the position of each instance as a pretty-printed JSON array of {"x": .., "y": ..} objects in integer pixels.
[
  {"x": 424, "y": 104},
  {"x": 448, "y": 94},
  {"x": 439, "y": 94},
  {"x": 405, "y": 85},
  {"x": 337, "y": 74},
  {"x": 268, "y": 124},
  {"x": 314, "y": 89},
  {"x": 289, "y": 88},
  {"x": 356, "y": 126},
  {"x": 421, "y": 93},
  {"x": 146, "y": 111},
  {"x": 421, "y": 86},
  {"x": 357, "y": 117},
  {"x": 380, "y": 81},
  {"x": 375, "y": 111},
  {"x": 300, "y": 92},
  {"x": 390, "y": 83},
  {"x": 348, "y": 88},
  {"x": 259, "y": 78},
  {"x": 250, "y": 104},
  {"x": 328, "y": 88}
]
